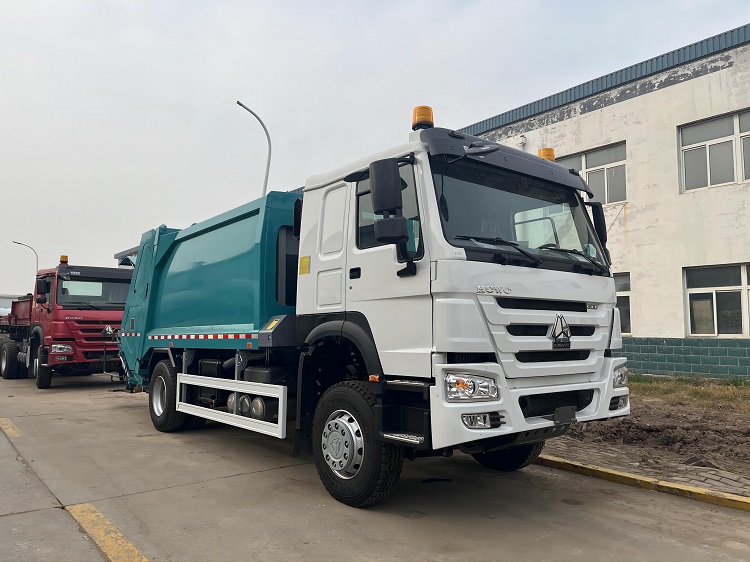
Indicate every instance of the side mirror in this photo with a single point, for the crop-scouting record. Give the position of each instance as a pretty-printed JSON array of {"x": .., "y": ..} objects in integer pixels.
[
  {"x": 385, "y": 185},
  {"x": 42, "y": 287},
  {"x": 600, "y": 225}
]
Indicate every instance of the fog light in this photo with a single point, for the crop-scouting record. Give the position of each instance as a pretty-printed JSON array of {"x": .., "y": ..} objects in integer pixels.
[
  {"x": 622, "y": 402},
  {"x": 61, "y": 348},
  {"x": 476, "y": 421},
  {"x": 469, "y": 387},
  {"x": 620, "y": 377},
  {"x": 60, "y": 358}
]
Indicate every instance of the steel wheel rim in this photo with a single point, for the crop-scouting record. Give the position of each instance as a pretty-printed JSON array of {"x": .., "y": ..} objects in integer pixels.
[
  {"x": 342, "y": 444},
  {"x": 36, "y": 366},
  {"x": 3, "y": 361},
  {"x": 159, "y": 396}
]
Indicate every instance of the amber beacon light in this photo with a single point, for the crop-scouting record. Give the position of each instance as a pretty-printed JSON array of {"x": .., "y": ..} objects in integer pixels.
[
  {"x": 64, "y": 260},
  {"x": 546, "y": 153},
  {"x": 422, "y": 118}
]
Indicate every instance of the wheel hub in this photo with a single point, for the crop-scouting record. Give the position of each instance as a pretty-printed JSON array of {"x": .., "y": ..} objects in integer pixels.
[
  {"x": 342, "y": 443},
  {"x": 159, "y": 396}
]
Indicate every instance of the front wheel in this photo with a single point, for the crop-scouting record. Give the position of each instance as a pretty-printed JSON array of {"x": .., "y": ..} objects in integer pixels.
[
  {"x": 512, "y": 458},
  {"x": 42, "y": 374},
  {"x": 353, "y": 465}
]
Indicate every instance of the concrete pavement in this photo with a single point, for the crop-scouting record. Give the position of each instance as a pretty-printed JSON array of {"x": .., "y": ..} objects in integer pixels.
[{"x": 222, "y": 493}]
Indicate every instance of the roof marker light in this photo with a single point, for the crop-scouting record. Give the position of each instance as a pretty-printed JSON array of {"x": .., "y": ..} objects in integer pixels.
[
  {"x": 546, "y": 153},
  {"x": 422, "y": 118},
  {"x": 64, "y": 259}
]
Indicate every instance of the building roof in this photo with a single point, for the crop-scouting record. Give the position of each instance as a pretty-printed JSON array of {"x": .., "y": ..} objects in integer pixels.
[{"x": 678, "y": 57}]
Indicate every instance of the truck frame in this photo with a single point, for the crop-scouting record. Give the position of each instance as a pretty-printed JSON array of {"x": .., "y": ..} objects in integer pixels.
[{"x": 446, "y": 294}]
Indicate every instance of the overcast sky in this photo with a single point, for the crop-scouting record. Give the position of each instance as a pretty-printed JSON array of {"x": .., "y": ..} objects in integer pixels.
[{"x": 116, "y": 117}]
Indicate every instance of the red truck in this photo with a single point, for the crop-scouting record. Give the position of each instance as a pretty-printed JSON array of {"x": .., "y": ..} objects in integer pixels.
[{"x": 63, "y": 327}]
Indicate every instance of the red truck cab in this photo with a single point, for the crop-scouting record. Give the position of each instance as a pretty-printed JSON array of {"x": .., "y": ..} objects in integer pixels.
[{"x": 60, "y": 327}]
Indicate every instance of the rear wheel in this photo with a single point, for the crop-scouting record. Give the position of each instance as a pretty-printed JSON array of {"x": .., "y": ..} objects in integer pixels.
[
  {"x": 353, "y": 465},
  {"x": 9, "y": 360},
  {"x": 162, "y": 398},
  {"x": 512, "y": 458},
  {"x": 42, "y": 374}
]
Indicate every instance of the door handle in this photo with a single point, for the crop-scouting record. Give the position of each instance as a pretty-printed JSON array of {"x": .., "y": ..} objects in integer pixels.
[{"x": 355, "y": 273}]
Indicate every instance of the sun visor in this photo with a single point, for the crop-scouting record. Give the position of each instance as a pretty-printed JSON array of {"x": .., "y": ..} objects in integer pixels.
[{"x": 454, "y": 145}]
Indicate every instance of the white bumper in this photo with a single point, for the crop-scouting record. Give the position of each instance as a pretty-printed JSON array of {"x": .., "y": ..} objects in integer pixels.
[{"x": 448, "y": 428}]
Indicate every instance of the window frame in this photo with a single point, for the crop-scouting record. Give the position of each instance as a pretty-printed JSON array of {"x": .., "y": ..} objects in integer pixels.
[
  {"x": 743, "y": 289},
  {"x": 585, "y": 171},
  {"x": 359, "y": 193},
  {"x": 737, "y": 138},
  {"x": 625, "y": 294}
]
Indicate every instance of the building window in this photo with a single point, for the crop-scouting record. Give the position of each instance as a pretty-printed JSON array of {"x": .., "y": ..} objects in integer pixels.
[
  {"x": 717, "y": 300},
  {"x": 604, "y": 171},
  {"x": 622, "y": 287},
  {"x": 715, "y": 152}
]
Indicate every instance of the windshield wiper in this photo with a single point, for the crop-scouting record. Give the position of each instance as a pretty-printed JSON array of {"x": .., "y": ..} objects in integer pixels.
[
  {"x": 497, "y": 240},
  {"x": 597, "y": 265},
  {"x": 80, "y": 305}
]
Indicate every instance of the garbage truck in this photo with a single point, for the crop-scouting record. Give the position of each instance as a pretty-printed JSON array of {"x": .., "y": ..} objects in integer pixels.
[
  {"x": 65, "y": 326},
  {"x": 448, "y": 294}
]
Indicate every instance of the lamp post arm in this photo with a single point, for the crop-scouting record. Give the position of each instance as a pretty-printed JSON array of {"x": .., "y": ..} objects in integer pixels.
[
  {"x": 268, "y": 137},
  {"x": 35, "y": 254}
]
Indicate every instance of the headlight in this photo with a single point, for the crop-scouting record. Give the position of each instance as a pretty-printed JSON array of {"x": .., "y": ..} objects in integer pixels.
[
  {"x": 620, "y": 377},
  {"x": 61, "y": 348},
  {"x": 469, "y": 387}
]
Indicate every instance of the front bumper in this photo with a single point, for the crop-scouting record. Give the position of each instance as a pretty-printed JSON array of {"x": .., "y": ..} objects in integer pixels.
[
  {"x": 449, "y": 430},
  {"x": 90, "y": 356}
]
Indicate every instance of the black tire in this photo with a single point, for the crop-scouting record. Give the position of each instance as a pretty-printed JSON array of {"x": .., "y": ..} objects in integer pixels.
[
  {"x": 362, "y": 483},
  {"x": 9, "y": 360},
  {"x": 43, "y": 375},
  {"x": 162, "y": 398},
  {"x": 512, "y": 458}
]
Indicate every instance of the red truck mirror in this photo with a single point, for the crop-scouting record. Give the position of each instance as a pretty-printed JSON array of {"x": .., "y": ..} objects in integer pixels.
[{"x": 42, "y": 287}]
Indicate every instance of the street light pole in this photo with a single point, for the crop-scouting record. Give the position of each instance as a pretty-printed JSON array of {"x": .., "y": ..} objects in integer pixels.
[
  {"x": 268, "y": 137},
  {"x": 33, "y": 250}
]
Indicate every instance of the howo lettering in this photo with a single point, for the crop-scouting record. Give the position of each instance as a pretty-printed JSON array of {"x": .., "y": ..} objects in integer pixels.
[
  {"x": 398, "y": 307},
  {"x": 63, "y": 326}
]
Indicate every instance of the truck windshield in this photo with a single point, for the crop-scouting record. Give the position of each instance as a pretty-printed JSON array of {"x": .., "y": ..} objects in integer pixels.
[
  {"x": 505, "y": 217},
  {"x": 95, "y": 294}
]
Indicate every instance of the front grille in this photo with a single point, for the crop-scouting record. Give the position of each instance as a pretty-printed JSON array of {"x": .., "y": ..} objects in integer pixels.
[
  {"x": 555, "y": 355},
  {"x": 454, "y": 358},
  {"x": 97, "y": 355},
  {"x": 538, "y": 304},
  {"x": 542, "y": 329},
  {"x": 528, "y": 329},
  {"x": 545, "y": 404}
]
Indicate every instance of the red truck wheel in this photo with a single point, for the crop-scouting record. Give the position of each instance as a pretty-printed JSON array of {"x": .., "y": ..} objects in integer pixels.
[
  {"x": 9, "y": 361},
  {"x": 43, "y": 375}
]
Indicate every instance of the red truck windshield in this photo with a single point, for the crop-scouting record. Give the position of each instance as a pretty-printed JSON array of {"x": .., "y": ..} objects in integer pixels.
[{"x": 96, "y": 294}]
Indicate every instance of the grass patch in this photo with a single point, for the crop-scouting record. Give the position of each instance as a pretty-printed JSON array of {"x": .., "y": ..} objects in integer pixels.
[{"x": 714, "y": 394}]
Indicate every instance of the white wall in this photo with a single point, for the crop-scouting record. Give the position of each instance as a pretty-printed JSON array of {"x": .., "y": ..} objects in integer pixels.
[{"x": 659, "y": 230}]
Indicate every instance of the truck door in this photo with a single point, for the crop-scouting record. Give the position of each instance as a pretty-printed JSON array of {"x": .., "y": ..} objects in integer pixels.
[{"x": 398, "y": 309}]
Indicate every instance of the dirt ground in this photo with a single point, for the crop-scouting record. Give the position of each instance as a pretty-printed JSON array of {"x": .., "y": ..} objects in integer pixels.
[{"x": 659, "y": 433}]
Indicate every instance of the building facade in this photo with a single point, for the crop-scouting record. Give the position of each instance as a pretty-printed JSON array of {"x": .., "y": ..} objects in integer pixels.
[{"x": 665, "y": 145}]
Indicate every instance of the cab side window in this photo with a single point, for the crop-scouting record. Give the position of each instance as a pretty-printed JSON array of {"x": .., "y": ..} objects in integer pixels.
[{"x": 366, "y": 217}]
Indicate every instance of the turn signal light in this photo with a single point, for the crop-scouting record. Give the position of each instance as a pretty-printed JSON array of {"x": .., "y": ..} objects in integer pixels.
[{"x": 64, "y": 259}]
